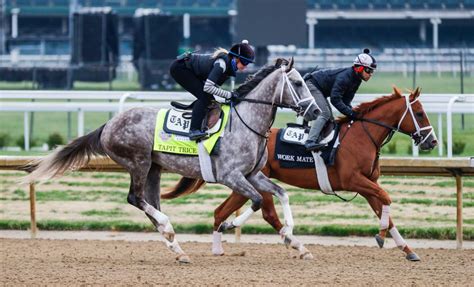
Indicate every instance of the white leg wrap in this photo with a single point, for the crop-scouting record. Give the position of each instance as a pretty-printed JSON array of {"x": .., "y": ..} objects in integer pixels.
[
  {"x": 159, "y": 216},
  {"x": 241, "y": 219},
  {"x": 174, "y": 246},
  {"x": 285, "y": 202},
  {"x": 217, "y": 243},
  {"x": 384, "y": 219},
  {"x": 167, "y": 228},
  {"x": 399, "y": 241}
]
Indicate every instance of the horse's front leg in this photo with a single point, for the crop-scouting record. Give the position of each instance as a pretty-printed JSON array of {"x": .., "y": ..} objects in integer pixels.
[
  {"x": 380, "y": 201},
  {"x": 263, "y": 184},
  {"x": 230, "y": 205}
]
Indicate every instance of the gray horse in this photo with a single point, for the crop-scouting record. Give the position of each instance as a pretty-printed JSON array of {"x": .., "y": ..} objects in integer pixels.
[{"x": 128, "y": 140}]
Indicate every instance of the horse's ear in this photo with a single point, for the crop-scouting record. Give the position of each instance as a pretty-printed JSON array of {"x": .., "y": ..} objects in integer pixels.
[
  {"x": 290, "y": 65},
  {"x": 417, "y": 92},
  {"x": 397, "y": 91},
  {"x": 278, "y": 62}
]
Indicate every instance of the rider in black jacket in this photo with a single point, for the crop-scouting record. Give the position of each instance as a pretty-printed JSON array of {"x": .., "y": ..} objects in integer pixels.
[
  {"x": 340, "y": 85},
  {"x": 203, "y": 74}
]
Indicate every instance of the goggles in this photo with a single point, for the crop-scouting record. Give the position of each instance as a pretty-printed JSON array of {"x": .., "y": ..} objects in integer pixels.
[
  {"x": 369, "y": 70},
  {"x": 243, "y": 60}
]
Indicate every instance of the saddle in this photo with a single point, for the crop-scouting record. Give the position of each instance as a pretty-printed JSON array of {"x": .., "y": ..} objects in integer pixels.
[
  {"x": 178, "y": 119},
  {"x": 290, "y": 150},
  {"x": 213, "y": 113}
]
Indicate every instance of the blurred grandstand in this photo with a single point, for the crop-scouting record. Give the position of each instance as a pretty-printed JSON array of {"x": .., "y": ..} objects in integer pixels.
[{"x": 400, "y": 32}]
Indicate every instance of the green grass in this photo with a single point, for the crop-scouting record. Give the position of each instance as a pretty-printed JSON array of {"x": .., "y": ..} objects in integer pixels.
[
  {"x": 96, "y": 184},
  {"x": 425, "y": 201},
  {"x": 202, "y": 228},
  {"x": 429, "y": 82},
  {"x": 104, "y": 213},
  {"x": 70, "y": 195},
  {"x": 303, "y": 199}
]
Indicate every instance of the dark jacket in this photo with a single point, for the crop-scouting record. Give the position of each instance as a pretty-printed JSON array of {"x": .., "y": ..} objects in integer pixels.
[
  {"x": 203, "y": 67},
  {"x": 338, "y": 84}
]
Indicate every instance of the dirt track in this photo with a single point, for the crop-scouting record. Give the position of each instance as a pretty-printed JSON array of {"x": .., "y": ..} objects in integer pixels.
[{"x": 73, "y": 262}]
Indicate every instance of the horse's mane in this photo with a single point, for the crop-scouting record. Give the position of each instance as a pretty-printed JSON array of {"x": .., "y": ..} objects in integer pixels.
[
  {"x": 253, "y": 80},
  {"x": 364, "y": 108}
]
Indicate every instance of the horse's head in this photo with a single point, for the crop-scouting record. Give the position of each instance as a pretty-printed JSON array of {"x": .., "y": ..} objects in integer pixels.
[
  {"x": 415, "y": 122},
  {"x": 295, "y": 94}
]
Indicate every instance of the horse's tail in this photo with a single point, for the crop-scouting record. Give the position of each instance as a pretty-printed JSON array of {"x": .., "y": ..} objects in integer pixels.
[
  {"x": 70, "y": 157},
  {"x": 185, "y": 186}
]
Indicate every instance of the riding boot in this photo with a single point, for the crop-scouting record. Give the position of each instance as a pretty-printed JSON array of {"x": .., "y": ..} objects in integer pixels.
[
  {"x": 312, "y": 143},
  {"x": 196, "y": 132}
]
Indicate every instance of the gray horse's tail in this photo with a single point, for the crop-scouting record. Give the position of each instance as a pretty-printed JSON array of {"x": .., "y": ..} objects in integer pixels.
[
  {"x": 70, "y": 157},
  {"x": 185, "y": 186}
]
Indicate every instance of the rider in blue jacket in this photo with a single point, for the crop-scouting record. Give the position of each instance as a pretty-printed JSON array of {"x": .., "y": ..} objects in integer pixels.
[
  {"x": 203, "y": 74},
  {"x": 340, "y": 85}
]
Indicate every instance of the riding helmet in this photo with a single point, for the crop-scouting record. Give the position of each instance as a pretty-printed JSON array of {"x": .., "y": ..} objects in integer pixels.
[
  {"x": 243, "y": 51},
  {"x": 365, "y": 60}
]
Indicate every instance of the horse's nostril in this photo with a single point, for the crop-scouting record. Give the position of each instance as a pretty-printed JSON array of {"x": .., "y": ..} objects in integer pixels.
[{"x": 434, "y": 142}]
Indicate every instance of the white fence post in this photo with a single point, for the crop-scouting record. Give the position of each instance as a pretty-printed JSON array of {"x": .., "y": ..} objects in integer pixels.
[
  {"x": 80, "y": 122},
  {"x": 26, "y": 130}
]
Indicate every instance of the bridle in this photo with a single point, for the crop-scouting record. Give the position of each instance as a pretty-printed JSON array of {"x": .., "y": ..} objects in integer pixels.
[
  {"x": 417, "y": 136},
  {"x": 297, "y": 101}
]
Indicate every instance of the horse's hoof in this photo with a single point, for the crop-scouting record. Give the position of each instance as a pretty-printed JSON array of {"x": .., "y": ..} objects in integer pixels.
[
  {"x": 380, "y": 240},
  {"x": 307, "y": 256},
  {"x": 413, "y": 257},
  {"x": 183, "y": 258},
  {"x": 225, "y": 226}
]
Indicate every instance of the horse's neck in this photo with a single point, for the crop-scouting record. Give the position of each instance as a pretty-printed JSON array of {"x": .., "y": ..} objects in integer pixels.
[
  {"x": 260, "y": 115},
  {"x": 385, "y": 114}
]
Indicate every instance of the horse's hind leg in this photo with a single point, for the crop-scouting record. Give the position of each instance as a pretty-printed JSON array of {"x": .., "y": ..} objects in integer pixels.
[
  {"x": 263, "y": 184},
  {"x": 144, "y": 194}
]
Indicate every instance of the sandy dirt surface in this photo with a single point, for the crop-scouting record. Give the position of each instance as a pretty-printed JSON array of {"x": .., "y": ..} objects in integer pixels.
[{"x": 92, "y": 262}]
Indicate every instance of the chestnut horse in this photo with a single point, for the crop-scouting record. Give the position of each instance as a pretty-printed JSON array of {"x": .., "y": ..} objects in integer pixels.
[{"x": 356, "y": 165}]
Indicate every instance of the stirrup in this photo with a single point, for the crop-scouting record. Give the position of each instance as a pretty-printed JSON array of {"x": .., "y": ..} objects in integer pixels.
[
  {"x": 312, "y": 145},
  {"x": 197, "y": 134}
]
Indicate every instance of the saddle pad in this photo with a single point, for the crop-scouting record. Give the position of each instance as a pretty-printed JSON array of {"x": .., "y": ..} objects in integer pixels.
[
  {"x": 173, "y": 139},
  {"x": 294, "y": 155}
]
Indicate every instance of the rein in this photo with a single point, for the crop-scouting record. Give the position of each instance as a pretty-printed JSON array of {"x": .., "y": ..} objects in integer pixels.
[
  {"x": 416, "y": 136},
  {"x": 296, "y": 99}
]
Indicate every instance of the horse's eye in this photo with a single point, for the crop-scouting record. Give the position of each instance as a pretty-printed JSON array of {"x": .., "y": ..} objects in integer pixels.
[
  {"x": 298, "y": 83},
  {"x": 419, "y": 114}
]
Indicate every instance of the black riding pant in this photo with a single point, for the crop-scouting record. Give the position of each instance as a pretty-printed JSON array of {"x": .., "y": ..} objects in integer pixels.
[{"x": 191, "y": 83}]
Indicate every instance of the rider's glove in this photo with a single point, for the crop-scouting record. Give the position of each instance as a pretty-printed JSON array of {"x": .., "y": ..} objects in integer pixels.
[{"x": 354, "y": 116}]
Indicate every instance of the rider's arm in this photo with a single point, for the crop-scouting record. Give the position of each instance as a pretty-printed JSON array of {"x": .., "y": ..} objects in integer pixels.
[
  {"x": 337, "y": 93},
  {"x": 210, "y": 86}
]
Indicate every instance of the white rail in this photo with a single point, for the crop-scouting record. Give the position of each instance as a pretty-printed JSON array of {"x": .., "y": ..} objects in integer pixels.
[{"x": 116, "y": 101}]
